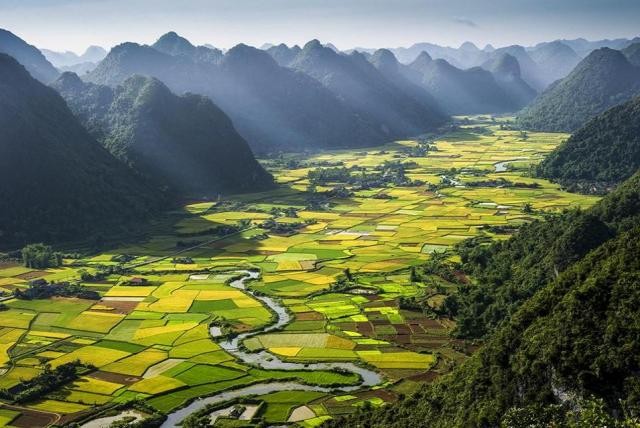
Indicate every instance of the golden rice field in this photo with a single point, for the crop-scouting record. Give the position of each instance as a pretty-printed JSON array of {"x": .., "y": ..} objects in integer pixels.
[{"x": 151, "y": 342}]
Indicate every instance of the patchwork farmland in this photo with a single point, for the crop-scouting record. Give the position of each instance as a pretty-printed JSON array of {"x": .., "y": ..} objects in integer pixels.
[{"x": 344, "y": 259}]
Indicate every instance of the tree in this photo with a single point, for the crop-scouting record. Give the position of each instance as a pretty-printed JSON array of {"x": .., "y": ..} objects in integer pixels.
[{"x": 40, "y": 256}]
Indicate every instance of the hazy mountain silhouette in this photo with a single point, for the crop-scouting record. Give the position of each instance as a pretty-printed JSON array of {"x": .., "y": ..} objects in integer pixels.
[
  {"x": 506, "y": 71},
  {"x": 459, "y": 91},
  {"x": 271, "y": 106},
  {"x": 361, "y": 86},
  {"x": 555, "y": 60}
]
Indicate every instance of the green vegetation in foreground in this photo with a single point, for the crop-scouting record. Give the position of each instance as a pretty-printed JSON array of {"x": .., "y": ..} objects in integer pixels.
[
  {"x": 567, "y": 356},
  {"x": 338, "y": 252}
]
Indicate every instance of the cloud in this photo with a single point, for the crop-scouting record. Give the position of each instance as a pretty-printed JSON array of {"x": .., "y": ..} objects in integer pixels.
[{"x": 465, "y": 21}]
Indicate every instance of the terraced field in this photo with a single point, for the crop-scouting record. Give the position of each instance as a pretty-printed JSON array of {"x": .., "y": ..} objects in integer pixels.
[{"x": 336, "y": 255}]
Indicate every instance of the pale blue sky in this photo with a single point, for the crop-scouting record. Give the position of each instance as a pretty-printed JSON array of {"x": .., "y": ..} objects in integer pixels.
[{"x": 75, "y": 24}]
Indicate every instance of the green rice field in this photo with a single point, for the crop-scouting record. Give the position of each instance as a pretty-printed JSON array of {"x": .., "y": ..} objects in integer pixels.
[{"x": 151, "y": 342}]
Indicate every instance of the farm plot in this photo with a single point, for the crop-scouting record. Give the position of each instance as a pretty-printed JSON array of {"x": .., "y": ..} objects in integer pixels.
[{"x": 340, "y": 266}]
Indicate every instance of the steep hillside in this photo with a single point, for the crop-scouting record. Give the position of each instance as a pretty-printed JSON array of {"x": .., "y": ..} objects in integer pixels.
[
  {"x": 602, "y": 80},
  {"x": 57, "y": 182},
  {"x": 574, "y": 340},
  {"x": 459, "y": 91},
  {"x": 604, "y": 152},
  {"x": 361, "y": 86},
  {"x": 29, "y": 56},
  {"x": 185, "y": 143}
]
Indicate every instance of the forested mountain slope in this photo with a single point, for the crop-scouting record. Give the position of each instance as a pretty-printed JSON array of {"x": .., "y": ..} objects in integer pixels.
[
  {"x": 56, "y": 181},
  {"x": 183, "y": 142},
  {"x": 602, "y": 80},
  {"x": 602, "y": 153}
]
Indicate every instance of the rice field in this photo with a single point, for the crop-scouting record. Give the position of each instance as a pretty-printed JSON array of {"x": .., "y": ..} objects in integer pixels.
[{"x": 151, "y": 341}]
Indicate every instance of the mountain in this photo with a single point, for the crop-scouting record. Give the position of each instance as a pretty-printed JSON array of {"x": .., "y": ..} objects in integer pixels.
[
  {"x": 466, "y": 56},
  {"x": 58, "y": 182},
  {"x": 555, "y": 60},
  {"x": 459, "y": 91},
  {"x": 92, "y": 55},
  {"x": 530, "y": 70},
  {"x": 278, "y": 107},
  {"x": 27, "y": 55},
  {"x": 506, "y": 71},
  {"x": 584, "y": 47},
  {"x": 602, "y": 80},
  {"x": 172, "y": 44},
  {"x": 127, "y": 59},
  {"x": 272, "y": 107},
  {"x": 632, "y": 52},
  {"x": 567, "y": 355},
  {"x": 363, "y": 88},
  {"x": 183, "y": 142},
  {"x": 606, "y": 150},
  {"x": 283, "y": 54},
  {"x": 177, "y": 46},
  {"x": 387, "y": 64}
]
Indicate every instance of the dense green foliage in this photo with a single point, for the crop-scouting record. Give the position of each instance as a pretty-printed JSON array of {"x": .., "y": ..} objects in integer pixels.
[
  {"x": 605, "y": 151},
  {"x": 58, "y": 181},
  {"x": 602, "y": 80},
  {"x": 509, "y": 272},
  {"x": 575, "y": 339},
  {"x": 47, "y": 381},
  {"x": 40, "y": 256},
  {"x": 184, "y": 143}
]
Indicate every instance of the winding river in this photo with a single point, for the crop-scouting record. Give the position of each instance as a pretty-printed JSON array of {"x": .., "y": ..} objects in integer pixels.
[{"x": 268, "y": 361}]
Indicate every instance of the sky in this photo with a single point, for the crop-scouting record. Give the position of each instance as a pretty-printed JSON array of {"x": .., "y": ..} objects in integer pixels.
[{"x": 75, "y": 24}]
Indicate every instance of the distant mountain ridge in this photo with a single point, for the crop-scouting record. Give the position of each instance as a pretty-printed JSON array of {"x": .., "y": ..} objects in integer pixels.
[
  {"x": 92, "y": 54},
  {"x": 272, "y": 106},
  {"x": 469, "y": 91},
  {"x": 362, "y": 87},
  {"x": 184, "y": 143}
]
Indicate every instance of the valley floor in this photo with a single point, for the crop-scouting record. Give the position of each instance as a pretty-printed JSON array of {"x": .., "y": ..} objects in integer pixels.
[{"x": 148, "y": 336}]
